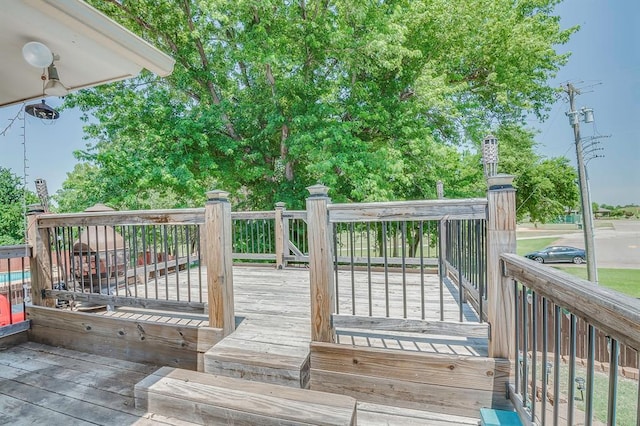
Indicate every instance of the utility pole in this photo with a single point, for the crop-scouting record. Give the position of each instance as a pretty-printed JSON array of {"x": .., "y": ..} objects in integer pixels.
[{"x": 585, "y": 195}]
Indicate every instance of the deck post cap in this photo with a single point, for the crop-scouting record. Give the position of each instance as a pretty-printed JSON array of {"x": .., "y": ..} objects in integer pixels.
[
  {"x": 500, "y": 181},
  {"x": 318, "y": 190},
  {"x": 35, "y": 208},
  {"x": 217, "y": 195},
  {"x": 281, "y": 204}
]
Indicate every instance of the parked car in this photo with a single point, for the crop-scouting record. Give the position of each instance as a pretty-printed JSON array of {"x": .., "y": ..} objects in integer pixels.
[{"x": 558, "y": 254}]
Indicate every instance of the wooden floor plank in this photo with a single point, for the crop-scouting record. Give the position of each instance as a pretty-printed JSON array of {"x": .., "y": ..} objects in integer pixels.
[
  {"x": 222, "y": 394},
  {"x": 118, "y": 364},
  {"x": 35, "y": 360},
  {"x": 59, "y": 403},
  {"x": 15, "y": 411},
  {"x": 98, "y": 377},
  {"x": 71, "y": 388}
]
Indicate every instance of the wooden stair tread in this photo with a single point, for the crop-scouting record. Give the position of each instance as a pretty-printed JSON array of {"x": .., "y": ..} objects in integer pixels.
[
  {"x": 253, "y": 352},
  {"x": 201, "y": 397},
  {"x": 264, "y": 359}
]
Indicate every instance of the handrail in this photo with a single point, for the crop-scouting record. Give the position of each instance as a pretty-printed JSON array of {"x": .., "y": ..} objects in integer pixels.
[
  {"x": 194, "y": 216},
  {"x": 187, "y": 216},
  {"x": 612, "y": 312},
  {"x": 471, "y": 208},
  {"x": 296, "y": 214},
  {"x": 15, "y": 251},
  {"x": 147, "y": 217},
  {"x": 252, "y": 215}
]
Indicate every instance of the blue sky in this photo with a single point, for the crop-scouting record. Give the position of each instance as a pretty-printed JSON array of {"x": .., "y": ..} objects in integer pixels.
[{"x": 605, "y": 63}]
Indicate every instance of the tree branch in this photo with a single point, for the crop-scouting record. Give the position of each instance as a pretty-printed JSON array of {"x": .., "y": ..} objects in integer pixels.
[
  {"x": 284, "y": 133},
  {"x": 205, "y": 65}
]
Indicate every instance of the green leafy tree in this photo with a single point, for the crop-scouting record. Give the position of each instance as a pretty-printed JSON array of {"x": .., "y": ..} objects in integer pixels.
[
  {"x": 86, "y": 186},
  {"x": 551, "y": 188},
  {"x": 13, "y": 198},
  {"x": 377, "y": 100},
  {"x": 546, "y": 188}
]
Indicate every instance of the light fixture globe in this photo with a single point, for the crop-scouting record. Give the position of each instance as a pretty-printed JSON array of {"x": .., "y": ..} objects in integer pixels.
[
  {"x": 54, "y": 87},
  {"x": 37, "y": 54}
]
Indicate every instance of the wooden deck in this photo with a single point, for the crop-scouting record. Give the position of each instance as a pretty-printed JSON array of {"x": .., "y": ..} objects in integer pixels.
[{"x": 270, "y": 344}]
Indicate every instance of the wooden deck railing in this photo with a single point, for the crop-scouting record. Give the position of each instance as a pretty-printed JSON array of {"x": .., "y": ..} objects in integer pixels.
[
  {"x": 464, "y": 261},
  {"x": 123, "y": 258},
  {"x": 556, "y": 363},
  {"x": 498, "y": 211},
  {"x": 405, "y": 238},
  {"x": 278, "y": 236},
  {"x": 14, "y": 279}
]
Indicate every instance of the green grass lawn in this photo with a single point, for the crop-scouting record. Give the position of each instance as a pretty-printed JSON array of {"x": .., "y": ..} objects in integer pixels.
[
  {"x": 626, "y": 401},
  {"x": 541, "y": 227},
  {"x": 625, "y": 281},
  {"x": 529, "y": 245}
]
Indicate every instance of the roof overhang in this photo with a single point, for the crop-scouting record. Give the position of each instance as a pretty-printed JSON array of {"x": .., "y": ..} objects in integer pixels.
[{"x": 92, "y": 48}]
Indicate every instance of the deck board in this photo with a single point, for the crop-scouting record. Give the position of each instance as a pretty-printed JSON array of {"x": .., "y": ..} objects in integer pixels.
[{"x": 17, "y": 411}]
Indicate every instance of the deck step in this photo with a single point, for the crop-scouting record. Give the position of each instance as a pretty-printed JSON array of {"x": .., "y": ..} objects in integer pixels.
[
  {"x": 491, "y": 417},
  {"x": 257, "y": 350},
  {"x": 286, "y": 370},
  {"x": 209, "y": 399}
]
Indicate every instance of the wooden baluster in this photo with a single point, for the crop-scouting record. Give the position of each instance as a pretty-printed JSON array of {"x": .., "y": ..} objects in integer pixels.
[{"x": 282, "y": 239}]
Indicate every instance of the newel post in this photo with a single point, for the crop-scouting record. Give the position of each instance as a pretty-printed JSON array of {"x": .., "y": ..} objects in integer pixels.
[
  {"x": 320, "y": 265},
  {"x": 219, "y": 261},
  {"x": 40, "y": 261},
  {"x": 281, "y": 235},
  {"x": 501, "y": 238}
]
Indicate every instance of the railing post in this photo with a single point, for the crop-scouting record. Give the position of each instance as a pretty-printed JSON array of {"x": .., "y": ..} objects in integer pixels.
[
  {"x": 320, "y": 265},
  {"x": 501, "y": 238},
  {"x": 219, "y": 261},
  {"x": 40, "y": 261},
  {"x": 282, "y": 239}
]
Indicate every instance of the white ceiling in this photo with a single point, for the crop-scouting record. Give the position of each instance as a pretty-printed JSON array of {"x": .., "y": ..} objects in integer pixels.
[{"x": 92, "y": 48}]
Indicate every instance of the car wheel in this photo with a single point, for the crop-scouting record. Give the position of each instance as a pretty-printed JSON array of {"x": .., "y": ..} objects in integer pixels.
[
  {"x": 538, "y": 259},
  {"x": 578, "y": 260}
]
